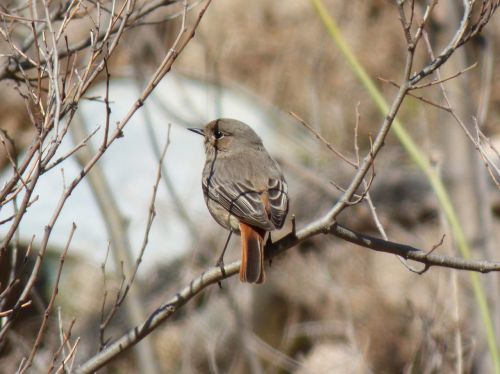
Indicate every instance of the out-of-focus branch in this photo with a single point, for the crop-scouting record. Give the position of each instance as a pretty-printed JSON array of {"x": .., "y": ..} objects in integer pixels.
[{"x": 116, "y": 227}]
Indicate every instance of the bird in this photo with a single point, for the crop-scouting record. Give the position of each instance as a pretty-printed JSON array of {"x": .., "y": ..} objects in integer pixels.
[{"x": 244, "y": 189}]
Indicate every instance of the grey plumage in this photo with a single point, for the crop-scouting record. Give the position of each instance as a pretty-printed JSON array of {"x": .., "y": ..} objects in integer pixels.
[
  {"x": 244, "y": 189},
  {"x": 237, "y": 171}
]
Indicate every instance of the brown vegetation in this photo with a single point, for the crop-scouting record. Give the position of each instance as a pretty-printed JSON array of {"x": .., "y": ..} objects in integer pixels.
[{"x": 327, "y": 305}]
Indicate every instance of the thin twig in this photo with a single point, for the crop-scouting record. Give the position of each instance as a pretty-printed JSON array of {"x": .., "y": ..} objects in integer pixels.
[
  {"x": 324, "y": 141},
  {"x": 65, "y": 340},
  {"x": 492, "y": 168},
  {"x": 55, "y": 291},
  {"x": 6, "y": 313},
  {"x": 442, "y": 80}
]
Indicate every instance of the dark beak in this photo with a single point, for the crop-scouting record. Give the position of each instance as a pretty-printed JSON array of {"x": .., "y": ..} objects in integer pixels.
[{"x": 197, "y": 130}]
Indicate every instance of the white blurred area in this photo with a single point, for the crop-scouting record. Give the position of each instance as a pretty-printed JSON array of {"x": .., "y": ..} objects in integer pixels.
[{"x": 130, "y": 167}]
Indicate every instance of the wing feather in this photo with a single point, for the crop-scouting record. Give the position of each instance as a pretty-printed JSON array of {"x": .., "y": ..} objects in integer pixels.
[
  {"x": 265, "y": 206},
  {"x": 241, "y": 200},
  {"x": 278, "y": 201}
]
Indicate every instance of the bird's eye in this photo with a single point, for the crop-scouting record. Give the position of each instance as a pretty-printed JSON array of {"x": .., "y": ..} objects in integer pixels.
[{"x": 218, "y": 134}]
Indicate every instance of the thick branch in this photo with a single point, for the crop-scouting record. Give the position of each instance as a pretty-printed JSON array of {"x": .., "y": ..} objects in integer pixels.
[
  {"x": 412, "y": 253},
  {"x": 214, "y": 275}
]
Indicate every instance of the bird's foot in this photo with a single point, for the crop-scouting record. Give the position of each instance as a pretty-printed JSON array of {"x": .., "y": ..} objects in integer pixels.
[{"x": 220, "y": 265}]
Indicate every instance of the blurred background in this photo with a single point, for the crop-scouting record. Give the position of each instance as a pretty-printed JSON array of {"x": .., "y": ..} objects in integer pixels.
[{"x": 327, "y": 306}]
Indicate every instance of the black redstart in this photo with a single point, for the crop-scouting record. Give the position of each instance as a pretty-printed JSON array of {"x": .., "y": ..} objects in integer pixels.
[{"x": 244, "y": 189}]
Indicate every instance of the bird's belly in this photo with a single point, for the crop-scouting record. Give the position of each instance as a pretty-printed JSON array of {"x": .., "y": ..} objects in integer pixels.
[{"x": 223, "y": 217}]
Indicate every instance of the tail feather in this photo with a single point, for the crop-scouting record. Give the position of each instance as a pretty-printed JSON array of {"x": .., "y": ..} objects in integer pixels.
[{"x": 252, "y": 254}]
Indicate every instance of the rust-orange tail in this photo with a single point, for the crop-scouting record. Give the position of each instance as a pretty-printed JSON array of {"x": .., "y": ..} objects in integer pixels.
[{"x": 252, "y": 254}]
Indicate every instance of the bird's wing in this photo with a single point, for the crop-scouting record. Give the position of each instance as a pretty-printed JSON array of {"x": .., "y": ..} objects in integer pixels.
[
  {"x": 278, "y": 201},
  {"x": 241, "y": 200}
]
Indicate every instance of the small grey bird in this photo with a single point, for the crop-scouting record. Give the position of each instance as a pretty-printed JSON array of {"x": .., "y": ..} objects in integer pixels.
[{"x": 244, "y": 189}]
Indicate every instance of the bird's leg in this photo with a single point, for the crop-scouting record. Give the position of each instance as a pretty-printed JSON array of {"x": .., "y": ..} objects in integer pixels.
[
  {"x": 269, "y": 242},
  {"x": 220, "y": 260}
]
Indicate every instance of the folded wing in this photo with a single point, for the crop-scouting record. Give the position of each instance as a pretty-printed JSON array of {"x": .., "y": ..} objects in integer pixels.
[{"x": 266, "y": 209}]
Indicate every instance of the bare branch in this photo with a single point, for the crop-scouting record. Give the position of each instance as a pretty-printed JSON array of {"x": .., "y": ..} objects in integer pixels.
[
  {"x": 6, "y": 313},
  {"x": 216, "y": 274},
  {"x": 324, "y": 141},
  {"x": 55, "y": 291}
]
